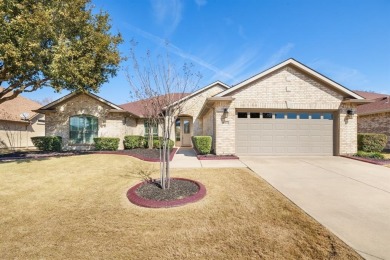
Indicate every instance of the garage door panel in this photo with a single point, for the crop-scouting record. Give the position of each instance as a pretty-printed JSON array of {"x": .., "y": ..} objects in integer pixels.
[{"x": 258, "y": 136}]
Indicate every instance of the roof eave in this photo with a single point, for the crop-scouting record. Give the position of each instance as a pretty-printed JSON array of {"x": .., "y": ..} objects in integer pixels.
[
  {"x": 301, "y": 67},
  {"x": 211, "y": 101},
  {"x": 358, "y": 101}
]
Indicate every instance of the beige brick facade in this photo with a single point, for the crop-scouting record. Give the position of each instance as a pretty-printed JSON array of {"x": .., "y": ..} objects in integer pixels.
[
  {"x": 193, "y": 106},
  {"x": 285, "y": 89},
  {"x": 110, "y": 124},
  {"x": 289, "y": 87},
  {"x": 375, "y": 123}
]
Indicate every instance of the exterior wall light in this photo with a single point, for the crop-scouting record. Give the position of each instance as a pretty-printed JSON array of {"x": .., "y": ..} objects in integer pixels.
[
  {"x": 225, "y": 112},
  {"x": 350, "y": 112}
]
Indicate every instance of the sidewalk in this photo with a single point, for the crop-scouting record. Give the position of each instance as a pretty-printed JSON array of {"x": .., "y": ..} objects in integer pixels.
[{"x": 185, "y": 157}]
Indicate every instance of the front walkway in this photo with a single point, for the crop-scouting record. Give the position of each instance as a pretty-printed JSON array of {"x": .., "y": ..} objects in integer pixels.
[{"x": 186, "y": 158}]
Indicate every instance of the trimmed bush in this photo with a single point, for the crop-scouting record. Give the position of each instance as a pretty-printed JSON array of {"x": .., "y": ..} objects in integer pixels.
[
  {"x": 48, "y": 143},
  {"x": 158, "y": 143},
  {"x": 370, "y": 142},
  {"x": 374, "y": 155},
  {"x": 202, "y": 144},
  {"x": 106, "y": 143},
  {"x": 133, "y": 141}
]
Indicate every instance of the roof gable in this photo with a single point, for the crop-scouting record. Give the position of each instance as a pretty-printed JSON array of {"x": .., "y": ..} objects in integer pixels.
[
  {"x": 73, "y": 94},
  {"x": 199, "y": 91},
  {"x": 301, "y": 67}
]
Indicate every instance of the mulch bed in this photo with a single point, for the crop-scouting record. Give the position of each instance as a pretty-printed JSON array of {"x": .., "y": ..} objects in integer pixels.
[
  {"x": 368, "y": 160},
  {"x": 217, "y": 157},
  {"x": 151, "y": 195},
  {"x": 151, "y": 155},
  {"x": 178, "y": 189}
]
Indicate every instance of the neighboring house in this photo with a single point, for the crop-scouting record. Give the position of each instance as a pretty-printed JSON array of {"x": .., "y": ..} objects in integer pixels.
[
  {"x": 18, "y": 123},
  {"x": 288, "y": 109},
  {"x": 374, "y": 117}
]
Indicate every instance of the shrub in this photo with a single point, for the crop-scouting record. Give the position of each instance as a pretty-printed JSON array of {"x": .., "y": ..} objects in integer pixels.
[
  {"x": 369, "y": 142},
  {"x": 158, "y": 143},
  {"x": 133, "y": 141},
  {"x": 48, "y": 143},
  {"x": 106, "y": 143},
  {"x": 374, "y": 155},
  {"x": 202, "y": 144}
]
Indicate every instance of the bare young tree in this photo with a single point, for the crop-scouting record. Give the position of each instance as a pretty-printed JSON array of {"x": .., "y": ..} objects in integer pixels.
[{"x": 162, "y": 87}]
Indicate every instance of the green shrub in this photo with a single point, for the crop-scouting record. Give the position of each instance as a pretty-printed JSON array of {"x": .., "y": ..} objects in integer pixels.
[
  {"x": 374, "y": 155},
  {"x": 158, "y": 143},
  {"x": 133, "y": 141},
  {"x": 48, "y": 143},
  {"x": 106, "y": 143},
  {"x": 202, "y": 144},
  {"x": 369, "y": 142}
]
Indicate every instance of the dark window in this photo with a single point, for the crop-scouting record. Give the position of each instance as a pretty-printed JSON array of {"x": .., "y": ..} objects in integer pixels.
[
  {"x": 267, "y": 115},
  {"x": 177, "y": 129},
  {"x": 316, "y": 116},
  {"x": 328, "y": 116},
  {"x": 291, "y": 115},
  {"x": 255, "y": 115},
  {"x": 303, "y": 116},
  {"x": 82, "y": 129},
  {"x": 242, "y": 115},
  {"x": 154, "y": 129},
  {"x": 279, "y": 115}
]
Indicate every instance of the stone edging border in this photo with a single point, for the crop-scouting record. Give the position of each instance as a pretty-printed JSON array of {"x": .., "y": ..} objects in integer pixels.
[
  {"x": 139, "y": 201},
  {"x": 362, "y": 159},
  {"x": 204, "y": 157}
]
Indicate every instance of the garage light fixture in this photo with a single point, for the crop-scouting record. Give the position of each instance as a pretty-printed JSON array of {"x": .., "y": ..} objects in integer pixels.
[{"x": 225, "y": 112}]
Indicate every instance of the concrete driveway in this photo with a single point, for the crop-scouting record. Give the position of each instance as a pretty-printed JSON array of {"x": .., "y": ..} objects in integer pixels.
[{"x": 350, "y": 198}]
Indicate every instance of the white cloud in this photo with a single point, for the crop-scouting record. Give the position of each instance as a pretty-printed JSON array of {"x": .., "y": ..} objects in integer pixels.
[
  {"x": 168, "y": 13},
  {"x": 278, "y": 56},
  {"x": 178, "y": 51},
  {"x": 239, "y": 66},
  {"x": 200, "y": 3},
  {"x": 348, "y": 77}
]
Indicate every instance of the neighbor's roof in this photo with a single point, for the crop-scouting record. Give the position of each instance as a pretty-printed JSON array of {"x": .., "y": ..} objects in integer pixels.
[
  {"x": 381, "y": 103},
  {"x": 369, "y": 94},
  {"x": 141, "y": 107},
  {"x": 11, "y": 110},
  {"x": 298, "y": 65}
]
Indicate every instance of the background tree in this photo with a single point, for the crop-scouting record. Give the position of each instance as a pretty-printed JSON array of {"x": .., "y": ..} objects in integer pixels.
[
  {"x": 56, "y": 43},
  {"x": 162, "y": 87}
]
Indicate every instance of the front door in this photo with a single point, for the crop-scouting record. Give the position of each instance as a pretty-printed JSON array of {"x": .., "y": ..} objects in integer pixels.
[{"x": 183, "y": 131}]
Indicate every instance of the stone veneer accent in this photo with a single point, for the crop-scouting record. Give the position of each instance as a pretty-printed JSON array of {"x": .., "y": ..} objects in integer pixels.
[
  {"x": 286, "y": 88},
  {"x": 110, "y": 124},
  {"x": 375, "y": 123}
]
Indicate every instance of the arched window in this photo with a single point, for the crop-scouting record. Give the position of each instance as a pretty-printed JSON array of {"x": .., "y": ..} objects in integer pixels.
[{"x": 82, "y": 129}]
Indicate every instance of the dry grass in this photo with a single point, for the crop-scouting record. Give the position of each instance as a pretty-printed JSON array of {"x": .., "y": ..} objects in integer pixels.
[{"x": 76, "y": 208}]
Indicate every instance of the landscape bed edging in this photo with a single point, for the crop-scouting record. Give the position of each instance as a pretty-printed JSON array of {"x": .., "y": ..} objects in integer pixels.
[{"x": 142, "y": 202}]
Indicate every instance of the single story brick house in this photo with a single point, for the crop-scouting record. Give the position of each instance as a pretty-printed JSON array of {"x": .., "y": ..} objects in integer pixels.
[
  {"x": 288, "y": 109},
  {"x": 374, "y": 117},
  {"x": 18, "y": 123}
]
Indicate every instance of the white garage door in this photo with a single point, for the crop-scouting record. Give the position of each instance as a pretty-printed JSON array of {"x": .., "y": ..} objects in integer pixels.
[{"x": 284, "y": 133}]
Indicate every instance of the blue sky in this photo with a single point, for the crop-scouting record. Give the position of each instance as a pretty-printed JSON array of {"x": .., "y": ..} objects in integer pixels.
[{"x": 345, "y": 40}]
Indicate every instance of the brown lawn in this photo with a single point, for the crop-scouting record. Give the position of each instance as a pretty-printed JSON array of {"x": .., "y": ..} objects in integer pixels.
[{"x": 76, "y": 208}]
